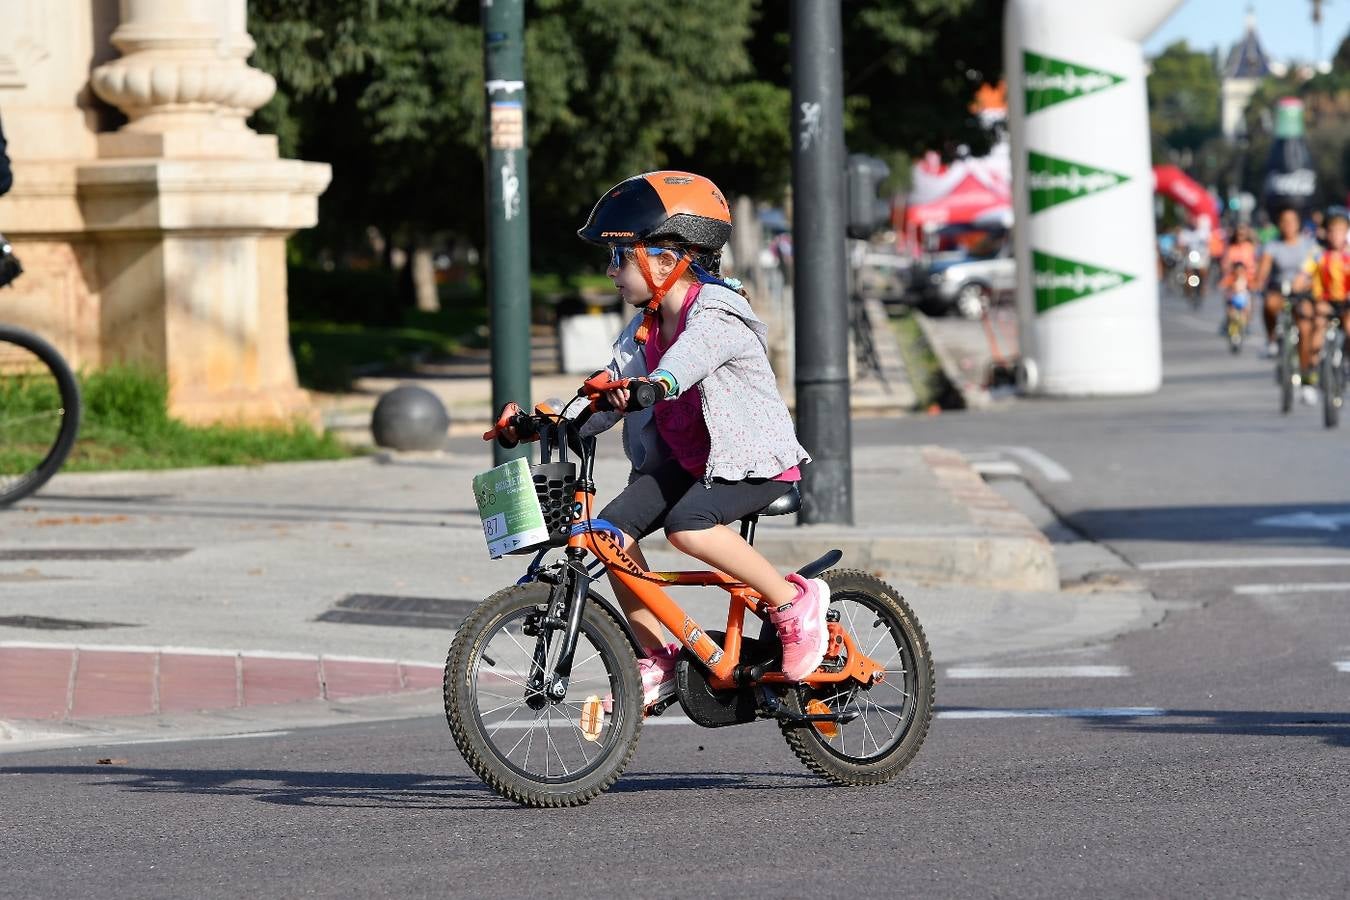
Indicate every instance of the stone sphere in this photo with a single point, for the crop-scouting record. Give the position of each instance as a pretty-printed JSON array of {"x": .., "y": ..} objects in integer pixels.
[{"x": 409, "y": 418}]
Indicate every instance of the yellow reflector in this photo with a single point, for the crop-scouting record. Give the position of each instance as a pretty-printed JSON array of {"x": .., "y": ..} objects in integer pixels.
[
  {"x": 592, "y": 718},
  {"x": 826, "y": 729}
]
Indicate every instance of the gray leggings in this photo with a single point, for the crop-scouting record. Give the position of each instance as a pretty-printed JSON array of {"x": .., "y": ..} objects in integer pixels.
[{"x": 671, "y": 497}]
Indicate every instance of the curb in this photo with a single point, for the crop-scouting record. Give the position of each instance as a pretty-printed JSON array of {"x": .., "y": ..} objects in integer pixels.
[
  {"x": 973, "y": 395},
  {"x": 999, "y": 548}
]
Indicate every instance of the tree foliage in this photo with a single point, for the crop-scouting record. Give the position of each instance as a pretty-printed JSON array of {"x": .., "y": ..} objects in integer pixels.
[
  {"x": 1183, "y": 99},
  {"x": 390, "y": 92}
]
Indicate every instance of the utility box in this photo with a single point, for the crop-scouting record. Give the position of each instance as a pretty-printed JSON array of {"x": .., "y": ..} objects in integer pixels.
[{"x": 586, "y": 334}]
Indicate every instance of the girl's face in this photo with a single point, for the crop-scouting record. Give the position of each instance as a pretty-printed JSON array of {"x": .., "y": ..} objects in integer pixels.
[{"x": 627, "y": 277}]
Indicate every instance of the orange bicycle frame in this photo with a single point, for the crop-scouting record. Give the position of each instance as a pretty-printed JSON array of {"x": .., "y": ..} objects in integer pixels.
[{"x": 722, "y": 661}]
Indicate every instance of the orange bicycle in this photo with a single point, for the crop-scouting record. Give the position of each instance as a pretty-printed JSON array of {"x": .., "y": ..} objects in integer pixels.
[{"x": 542, "y": 690}]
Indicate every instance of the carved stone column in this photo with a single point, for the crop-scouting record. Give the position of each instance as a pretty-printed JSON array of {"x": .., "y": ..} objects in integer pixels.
[
  {"x": 183, "y": 83},
  {"x": 191, "y": 210}
]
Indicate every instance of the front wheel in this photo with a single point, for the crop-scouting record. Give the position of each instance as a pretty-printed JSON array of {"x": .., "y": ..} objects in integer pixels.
[
  {"x": 1331, "y": 378},
  {"x": 894, "y": 713},
  {"x": 527, "y": 746}
]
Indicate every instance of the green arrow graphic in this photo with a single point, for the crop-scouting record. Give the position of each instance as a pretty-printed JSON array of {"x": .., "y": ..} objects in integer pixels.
[
  {"x": 1049, "y": 81},
  {"x": 1054, "y": 180},
  {"x": 1057, "y": 281}
]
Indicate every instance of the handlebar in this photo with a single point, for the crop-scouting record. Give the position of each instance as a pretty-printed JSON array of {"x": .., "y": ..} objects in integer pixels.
[
  {"x": 641, "y": 392},
  {"x": 641, "y": 395}
]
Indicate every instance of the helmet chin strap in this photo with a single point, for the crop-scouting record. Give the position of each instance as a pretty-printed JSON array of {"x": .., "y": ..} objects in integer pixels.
[{"x": 649, "y": 312}]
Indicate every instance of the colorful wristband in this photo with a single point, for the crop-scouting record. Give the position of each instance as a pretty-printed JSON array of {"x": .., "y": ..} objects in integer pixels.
[{"x": 667, "y": 379}]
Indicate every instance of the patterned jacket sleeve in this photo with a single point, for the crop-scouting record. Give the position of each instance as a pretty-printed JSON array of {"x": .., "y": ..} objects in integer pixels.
[{"x": 711, "y": 338}]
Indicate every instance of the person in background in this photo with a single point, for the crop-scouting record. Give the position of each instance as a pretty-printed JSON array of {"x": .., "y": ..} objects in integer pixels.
[
  {"x": 1282, "y": 261},
  {"x": 1330, "y": 274}
]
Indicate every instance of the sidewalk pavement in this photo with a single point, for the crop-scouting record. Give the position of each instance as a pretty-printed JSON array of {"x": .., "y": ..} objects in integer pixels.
[{"x": 341, "y": 584}]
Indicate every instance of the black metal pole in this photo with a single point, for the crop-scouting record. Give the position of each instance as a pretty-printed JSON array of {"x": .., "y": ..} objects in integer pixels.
[
  {"x": 508, "y": 208},
  {"x": 819, "y": 265}
]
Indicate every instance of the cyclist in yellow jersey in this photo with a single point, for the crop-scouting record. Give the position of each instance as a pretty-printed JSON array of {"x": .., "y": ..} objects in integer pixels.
[{"x": 1329, "y": 272}]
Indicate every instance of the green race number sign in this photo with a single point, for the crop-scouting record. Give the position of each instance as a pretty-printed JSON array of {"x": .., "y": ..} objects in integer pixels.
[{"x": 509, "y": 508}]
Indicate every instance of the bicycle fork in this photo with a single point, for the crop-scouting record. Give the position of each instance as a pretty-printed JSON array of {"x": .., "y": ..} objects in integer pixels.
[{"x": 566, "y": 603}]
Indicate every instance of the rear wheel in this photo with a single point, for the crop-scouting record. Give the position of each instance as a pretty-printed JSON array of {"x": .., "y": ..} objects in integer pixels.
[
  {"x": 894, "y": 713},
  {"x": 39, "y": 413},
  {"x": 526, "y": 747}
]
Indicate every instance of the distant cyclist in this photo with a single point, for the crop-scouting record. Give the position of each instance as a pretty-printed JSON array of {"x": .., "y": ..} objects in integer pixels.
[
  {"x": 1282, "y": 260},
  {"x": 1240, "y": 253},
  {"x": 1330, "y": 272}
]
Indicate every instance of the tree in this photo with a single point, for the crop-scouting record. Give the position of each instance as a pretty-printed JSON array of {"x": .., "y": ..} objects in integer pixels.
[
  {"x": 390, "y": 92},
  {"x": 1183, "y": 99}
]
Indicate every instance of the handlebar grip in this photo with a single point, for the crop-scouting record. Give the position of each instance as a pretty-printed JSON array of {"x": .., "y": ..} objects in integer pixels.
[{"x": 642, "y": 394}]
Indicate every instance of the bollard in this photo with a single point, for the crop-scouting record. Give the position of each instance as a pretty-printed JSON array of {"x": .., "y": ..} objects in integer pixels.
[{"x": 409, "y": 418}]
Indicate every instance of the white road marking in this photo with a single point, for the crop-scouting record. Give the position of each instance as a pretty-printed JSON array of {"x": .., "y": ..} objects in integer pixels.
[
  {"x": 1038, "y": 672},
  {"x": 1052, "y": 470},
  {"x": 1101, "y": 712},
  {"x": 1342, "y": 666},
  {"x": 1313, "y": 520},
  {"x": 1267, "y": 562},
  {"x": 1311, "y": 587},
  {"x": 1089, "y": 712}
]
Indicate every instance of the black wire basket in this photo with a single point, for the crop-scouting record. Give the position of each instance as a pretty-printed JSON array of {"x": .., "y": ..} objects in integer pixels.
[{"x": 555, "y": 484}]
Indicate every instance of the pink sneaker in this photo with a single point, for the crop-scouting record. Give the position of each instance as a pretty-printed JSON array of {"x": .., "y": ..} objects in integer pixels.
[
  {"x": 801, "y": 627},
  {"x": 658, "y": 677}
]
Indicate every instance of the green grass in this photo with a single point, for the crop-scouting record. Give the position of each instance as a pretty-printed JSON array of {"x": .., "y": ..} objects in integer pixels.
[
  {"x": 329, "y": 355},
  {"x": 126, "y": 426},
  {"x": 925, "y": 373},
  {"x": 345, "y": 321}
]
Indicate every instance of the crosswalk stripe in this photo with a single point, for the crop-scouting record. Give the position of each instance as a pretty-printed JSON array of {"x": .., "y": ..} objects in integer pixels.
[{"x": 1342, "y": 665}]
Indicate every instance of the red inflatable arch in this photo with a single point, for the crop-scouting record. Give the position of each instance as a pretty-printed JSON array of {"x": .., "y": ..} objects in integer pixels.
[{"x": 1173, "y": 183}]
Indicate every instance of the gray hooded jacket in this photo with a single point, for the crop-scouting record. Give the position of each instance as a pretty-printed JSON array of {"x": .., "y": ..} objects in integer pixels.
[{"x": 723, "y": 350}]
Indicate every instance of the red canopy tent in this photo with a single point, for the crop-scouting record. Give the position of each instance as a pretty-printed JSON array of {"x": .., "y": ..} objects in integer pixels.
[{"x": 971, "y": 200}]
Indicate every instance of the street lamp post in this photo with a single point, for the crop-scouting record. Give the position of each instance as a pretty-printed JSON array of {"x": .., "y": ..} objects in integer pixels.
[
  {"x": 508, "y": 208},
  {"x": 820, "y": 273}
]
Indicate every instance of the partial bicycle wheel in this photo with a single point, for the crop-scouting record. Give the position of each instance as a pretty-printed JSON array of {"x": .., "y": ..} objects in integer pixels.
[
  {"x": 894, "y": 713},
  {"x": 39, "y": 413},
  {"x": 1333, "y": 387},
  {"x": 1235, "y": 334},
  {"x": 1286, "y": 364},
  {"x": 527, "y": 747}
]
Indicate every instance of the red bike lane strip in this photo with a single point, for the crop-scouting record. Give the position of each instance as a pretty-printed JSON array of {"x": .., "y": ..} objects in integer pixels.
[{"x": 64, "y": 682}]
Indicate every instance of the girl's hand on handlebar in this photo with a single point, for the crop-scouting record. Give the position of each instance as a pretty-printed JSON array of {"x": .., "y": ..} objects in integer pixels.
[{"x": 617, "y": 400}]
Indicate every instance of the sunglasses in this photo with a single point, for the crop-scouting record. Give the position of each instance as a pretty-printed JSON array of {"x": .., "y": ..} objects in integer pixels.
[{"x": 619, "y": 253}]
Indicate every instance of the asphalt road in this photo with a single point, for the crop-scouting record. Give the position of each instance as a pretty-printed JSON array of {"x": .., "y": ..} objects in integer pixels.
[{"x": 1209, "y": 756}]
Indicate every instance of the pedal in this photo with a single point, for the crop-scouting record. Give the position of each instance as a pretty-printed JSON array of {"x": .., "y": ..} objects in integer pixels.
[{"x": 659, "y": 707}]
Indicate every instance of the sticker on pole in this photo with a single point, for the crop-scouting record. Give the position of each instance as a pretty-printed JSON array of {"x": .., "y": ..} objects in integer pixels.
[{"x": 509, "y": 508}]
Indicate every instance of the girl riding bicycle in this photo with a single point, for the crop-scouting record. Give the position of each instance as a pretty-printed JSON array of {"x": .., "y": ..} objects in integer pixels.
[{"x": 721, "y": 446}]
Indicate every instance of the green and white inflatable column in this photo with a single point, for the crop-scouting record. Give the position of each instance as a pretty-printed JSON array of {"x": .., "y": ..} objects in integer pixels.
[{"x": 1087, "y": 285}]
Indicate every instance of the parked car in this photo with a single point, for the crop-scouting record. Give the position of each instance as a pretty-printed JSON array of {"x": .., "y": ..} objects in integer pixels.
[{"x": 967, "y": 280}]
